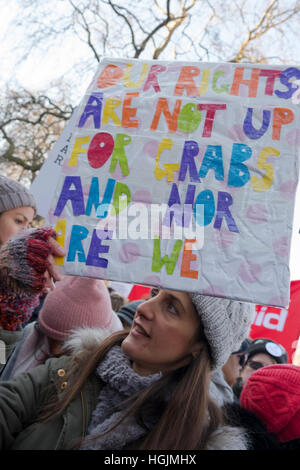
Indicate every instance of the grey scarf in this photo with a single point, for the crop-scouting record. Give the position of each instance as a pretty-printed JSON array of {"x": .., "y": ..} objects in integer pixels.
[{"x": 120, "y": 382}]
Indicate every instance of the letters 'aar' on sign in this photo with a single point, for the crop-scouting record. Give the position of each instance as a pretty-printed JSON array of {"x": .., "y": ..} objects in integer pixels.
[{"x": 183, "y": 175}]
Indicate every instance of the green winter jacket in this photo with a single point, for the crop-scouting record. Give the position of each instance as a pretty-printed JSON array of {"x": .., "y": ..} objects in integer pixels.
[{"x": 22, "y": 398}]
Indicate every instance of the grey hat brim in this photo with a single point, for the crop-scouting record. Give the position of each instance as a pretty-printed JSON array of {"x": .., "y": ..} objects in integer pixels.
[
  {"x": 15, "y": 200},
  {"x": 13, "y": 195}
]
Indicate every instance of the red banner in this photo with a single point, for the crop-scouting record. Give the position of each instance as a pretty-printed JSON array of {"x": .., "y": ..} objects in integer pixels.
[
  {"x": 279, "y": 324},
  {"x": 138, "y": 292}
]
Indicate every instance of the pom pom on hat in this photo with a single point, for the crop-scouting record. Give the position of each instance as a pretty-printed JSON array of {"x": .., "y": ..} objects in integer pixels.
[
  {"x": 77, "y": 302},
  {"x": 272, "y": 393},
  {"x": 13, "y": 195},
  {"x": 226, "y": 324}
]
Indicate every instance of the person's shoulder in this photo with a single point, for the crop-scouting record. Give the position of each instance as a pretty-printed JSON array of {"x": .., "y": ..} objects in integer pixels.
[
  {"x": 228, "y": 437},
  {"x": 52, "y": 368},
  {"x": 258, "y": 436},
  {"x": 291, "y": 445},
  {"x": 61, "y": 362}
]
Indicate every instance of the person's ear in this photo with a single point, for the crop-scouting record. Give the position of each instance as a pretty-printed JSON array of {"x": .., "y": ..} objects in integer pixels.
[{"x": 196, "y": 349}]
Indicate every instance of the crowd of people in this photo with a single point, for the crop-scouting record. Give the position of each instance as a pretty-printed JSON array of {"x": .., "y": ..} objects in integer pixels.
[{"x": 87, "y": 369}]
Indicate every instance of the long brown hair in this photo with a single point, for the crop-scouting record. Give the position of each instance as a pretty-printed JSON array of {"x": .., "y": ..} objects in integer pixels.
[{"x": 185, "y": 421}]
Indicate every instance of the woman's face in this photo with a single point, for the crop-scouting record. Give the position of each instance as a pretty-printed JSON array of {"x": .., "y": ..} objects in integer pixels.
[
  {"x": 164, "y": 333},
  {"x": 13, "y": 221}
]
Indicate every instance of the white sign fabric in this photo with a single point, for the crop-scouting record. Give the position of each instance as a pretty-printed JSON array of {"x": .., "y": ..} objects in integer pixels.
[{"x": 43, "y": 186}]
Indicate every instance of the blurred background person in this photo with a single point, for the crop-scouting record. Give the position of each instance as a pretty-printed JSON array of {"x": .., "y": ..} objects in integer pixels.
[
  {"x": 117, "y": 300},
  {"x": 78, "y": 308},
  {"x": 232, "y": 368},
  {"x": 261, "y": 353},
  {"x": 127, "y": 312},
  {"x": 272, "y": 393}
]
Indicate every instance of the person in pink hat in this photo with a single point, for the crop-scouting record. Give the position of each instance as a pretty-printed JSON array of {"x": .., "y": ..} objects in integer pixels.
[{"x": 76, "y": 314}]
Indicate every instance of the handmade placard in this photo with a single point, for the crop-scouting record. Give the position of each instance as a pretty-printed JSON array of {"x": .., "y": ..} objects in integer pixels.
[{"x": 183, "y": 175}]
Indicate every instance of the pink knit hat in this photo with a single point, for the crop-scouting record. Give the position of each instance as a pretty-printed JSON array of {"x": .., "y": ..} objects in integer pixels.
[
  {"x": 77, "y": 302},
  {"x": 272, "y": 393}
]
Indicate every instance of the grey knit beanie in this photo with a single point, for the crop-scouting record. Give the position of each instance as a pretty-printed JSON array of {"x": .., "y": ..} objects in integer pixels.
[
  {"x": 226, "y": 324},
  {"x": 13, "y": 195}
]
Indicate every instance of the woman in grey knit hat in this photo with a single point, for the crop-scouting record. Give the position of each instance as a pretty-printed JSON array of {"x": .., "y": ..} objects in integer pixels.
[
  {"x": 17, "y": 208},
  {"x": 146, "y": 389}
]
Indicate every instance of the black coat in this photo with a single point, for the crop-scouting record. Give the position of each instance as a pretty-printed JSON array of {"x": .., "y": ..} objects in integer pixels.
[
  {"x": 259, "y": 438},
  {"x": 291, "y": 445}
]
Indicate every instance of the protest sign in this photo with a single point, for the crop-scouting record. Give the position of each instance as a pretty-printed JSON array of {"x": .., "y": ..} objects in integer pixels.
[
  {"x": 183, "y": 175},
  {"x": 280, "y": 324},
  {"x": 43, "y": 186}
]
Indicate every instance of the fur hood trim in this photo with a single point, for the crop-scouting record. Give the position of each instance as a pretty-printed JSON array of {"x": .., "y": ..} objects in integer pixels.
[
  {"x": 228, "y": 438},
  {"x": 85, "y": 339}
]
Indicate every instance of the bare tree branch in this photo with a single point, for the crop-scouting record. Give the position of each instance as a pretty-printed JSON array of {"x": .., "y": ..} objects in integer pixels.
[
  {"x": 269, "y": 20},
  {"x": 29, "y": 126},
  {"x": 87, "y": 29},
  {"x": 31, "y": 121}
]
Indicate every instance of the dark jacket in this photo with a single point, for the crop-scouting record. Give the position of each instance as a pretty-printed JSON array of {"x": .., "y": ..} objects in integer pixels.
[
  {"x": 291, "y": 445},
  {"x": 23, "y": 398}
]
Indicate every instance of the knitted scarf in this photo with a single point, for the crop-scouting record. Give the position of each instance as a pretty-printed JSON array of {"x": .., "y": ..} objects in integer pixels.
[{"x": 120, "y": 383}]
